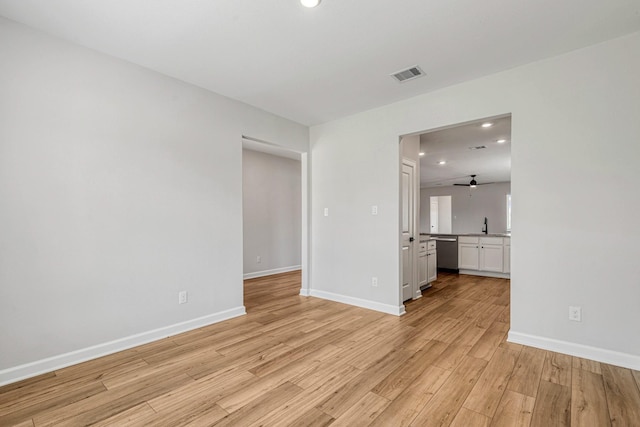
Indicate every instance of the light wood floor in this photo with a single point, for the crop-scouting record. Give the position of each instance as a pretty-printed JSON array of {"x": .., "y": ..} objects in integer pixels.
[{"x": 308, "y": 362}]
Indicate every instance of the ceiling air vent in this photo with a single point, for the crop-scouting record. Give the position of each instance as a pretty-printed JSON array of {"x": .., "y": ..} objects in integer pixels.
[{"x": 408, "y": 74}]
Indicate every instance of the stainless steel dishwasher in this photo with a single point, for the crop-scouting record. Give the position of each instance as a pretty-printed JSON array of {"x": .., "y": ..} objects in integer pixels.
[{"x": 447, "y": 250}]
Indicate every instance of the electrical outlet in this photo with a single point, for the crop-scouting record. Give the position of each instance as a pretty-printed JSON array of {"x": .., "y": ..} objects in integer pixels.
[
  {"x": 575, "y": 313},
  {"x": 326, "y": 211},
  {"x": 182, "y": 297},
  {"x": 374, "y": 282},
  {"x": 258, "y": 259},
  {"x": 374, "y": 210}
]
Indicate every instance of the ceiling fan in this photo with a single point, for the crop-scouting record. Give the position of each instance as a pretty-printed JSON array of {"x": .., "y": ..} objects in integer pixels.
[{"x": 473, "y": 183}]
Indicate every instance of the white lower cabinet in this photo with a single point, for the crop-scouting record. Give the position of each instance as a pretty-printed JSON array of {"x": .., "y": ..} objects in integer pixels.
[
  {"x": 468, "y": 253},
  {"x": 468, "y": 256},
  {"x": 427, "y": 265},
  {"x": 422, "y": 267},
  {"x": 432, "y": 265},
  {"x": 491, "y": 254},
  {"x": 486, "y": 254},
  {"x": 507, "y": 255}
]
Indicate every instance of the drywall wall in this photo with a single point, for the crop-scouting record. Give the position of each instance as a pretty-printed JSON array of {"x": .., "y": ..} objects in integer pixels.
[
  {"x": 575, "y": 122},
  {"x": 410, "y": 148},
  {"x": 445, "y": 217},
  {"x": 119, "y": 187},
  {"x": 469, "y": 207},
  {"x": 271, "y": 209},
  {"x": 441, "y": 205}
]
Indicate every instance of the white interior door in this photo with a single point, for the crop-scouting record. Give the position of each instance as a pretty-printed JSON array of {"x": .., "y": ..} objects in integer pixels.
[
  {"x": 433, "y": 214},
  {"x": 408, "y": 220}
]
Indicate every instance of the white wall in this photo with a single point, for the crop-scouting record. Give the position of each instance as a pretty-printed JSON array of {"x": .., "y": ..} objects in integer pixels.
[
  {"x": 445, "y": 216},
  {"x": 410, "y": 149},
  {"x": 271, "y": 213},
  {"x": 119, "y": 187},
  {"x": 574, "y": 161},
  {"x": 469, "y": 207}
]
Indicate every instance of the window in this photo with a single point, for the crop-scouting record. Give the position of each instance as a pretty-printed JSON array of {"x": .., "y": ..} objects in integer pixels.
[{"x": 508, "y": 212}]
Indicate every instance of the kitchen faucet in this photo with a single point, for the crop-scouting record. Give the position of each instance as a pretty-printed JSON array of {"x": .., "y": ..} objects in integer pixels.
[{"x": 484, "y": 226}]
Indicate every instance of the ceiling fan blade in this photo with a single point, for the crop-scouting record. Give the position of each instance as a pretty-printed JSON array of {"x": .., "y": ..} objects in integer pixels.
[
  {"x": 463, "y": 185},
  {"x": 485, "y": 183},
  {"x": 447, "y": 180}
]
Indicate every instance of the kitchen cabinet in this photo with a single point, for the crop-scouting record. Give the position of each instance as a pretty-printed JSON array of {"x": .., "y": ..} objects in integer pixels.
[
  {"x": 491, "y": 255},
  {"x": 422, "y": 265},
  {"x": 432, "y": 265},
  {"x": 468, "y": 256},
  {"x": 427, "y": 265},
  {"x": 484, "y": 255}
]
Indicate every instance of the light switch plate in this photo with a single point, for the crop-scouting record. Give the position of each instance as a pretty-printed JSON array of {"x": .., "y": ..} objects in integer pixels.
[{"x": 575, "y": 313}]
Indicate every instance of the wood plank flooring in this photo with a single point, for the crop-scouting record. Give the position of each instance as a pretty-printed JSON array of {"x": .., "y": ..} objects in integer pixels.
[{"x": 308, "y": 362}]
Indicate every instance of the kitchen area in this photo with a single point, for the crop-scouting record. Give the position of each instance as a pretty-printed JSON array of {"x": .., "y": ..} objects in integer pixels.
[
  {"x": 459, "y": 248},
  {"x": 465, "y": 201},
  {"x": 477, "y": 254}
]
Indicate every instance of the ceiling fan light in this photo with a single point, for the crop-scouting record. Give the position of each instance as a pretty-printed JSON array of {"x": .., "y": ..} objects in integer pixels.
[
  {"x": 310, "y": 3},
  {"x": 472, "y": 186}
]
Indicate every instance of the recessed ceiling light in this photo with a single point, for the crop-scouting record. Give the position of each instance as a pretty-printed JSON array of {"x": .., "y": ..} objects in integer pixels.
[
  {"x": 487, "y": 125},
  {"x": 442, "y": 162},
  {"x": 421, "y": 153},
  {"x": 501, "y": 141},
  {"x": 310, "y": 3}
]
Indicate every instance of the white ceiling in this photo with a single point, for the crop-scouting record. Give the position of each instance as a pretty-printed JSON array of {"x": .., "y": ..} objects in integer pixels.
[
  {"x": 315, "y": 65},
  {"x": 490, "y": 164}
]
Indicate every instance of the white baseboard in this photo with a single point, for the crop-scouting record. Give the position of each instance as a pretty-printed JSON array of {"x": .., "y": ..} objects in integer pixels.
[
  {"x": 358, "y": 302},
  {"x": 50, "y": 364},
  {"x": 305, "y": 292},
  {"x": 611, "y": 357},
  {"x": 270, "y": 272}
]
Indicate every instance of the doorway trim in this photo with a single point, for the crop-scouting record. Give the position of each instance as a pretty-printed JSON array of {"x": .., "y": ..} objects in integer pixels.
[{"x": 414, "y": 238}]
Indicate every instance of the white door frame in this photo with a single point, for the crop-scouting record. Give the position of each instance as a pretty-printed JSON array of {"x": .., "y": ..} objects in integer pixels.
[
  {"x": 305, "y": 287},
  {"x": 414, "y": 247}
]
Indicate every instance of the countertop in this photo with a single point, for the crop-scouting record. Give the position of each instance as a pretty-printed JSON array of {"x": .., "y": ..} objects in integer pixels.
[{"x": 424, "y": 236}]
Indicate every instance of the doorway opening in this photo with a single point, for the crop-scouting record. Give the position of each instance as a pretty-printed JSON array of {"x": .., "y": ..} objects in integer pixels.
[
  {"x": 464, "y": 187},
  {"x": 440, "y": 214},
  {"x": 274, "y": 214}
]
